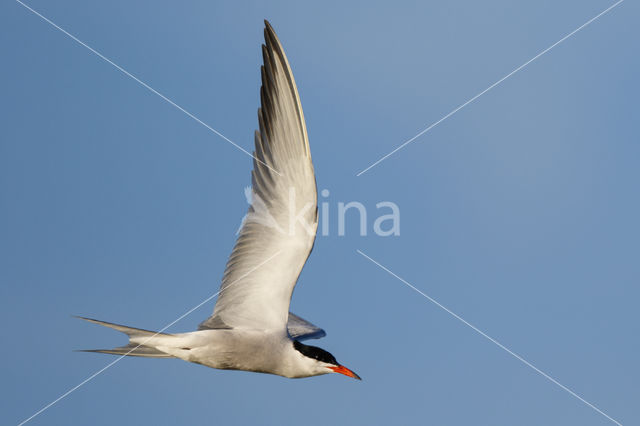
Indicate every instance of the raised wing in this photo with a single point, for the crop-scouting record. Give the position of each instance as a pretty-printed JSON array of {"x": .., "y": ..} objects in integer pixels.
[{"x": 280, "y": 227}]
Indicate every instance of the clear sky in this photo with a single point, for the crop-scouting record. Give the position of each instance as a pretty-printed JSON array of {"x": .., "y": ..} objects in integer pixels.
[{"x": 519, "y": 213}]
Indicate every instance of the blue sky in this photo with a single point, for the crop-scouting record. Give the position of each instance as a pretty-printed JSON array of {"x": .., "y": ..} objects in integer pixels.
[{"x": 519, "y": 213}]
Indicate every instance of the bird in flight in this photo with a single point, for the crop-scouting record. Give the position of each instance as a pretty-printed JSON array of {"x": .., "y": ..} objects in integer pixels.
[{"x": 251, "y": 328}]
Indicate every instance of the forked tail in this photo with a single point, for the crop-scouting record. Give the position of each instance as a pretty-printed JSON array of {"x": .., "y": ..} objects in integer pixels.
[{"x": 137, "y": 338}]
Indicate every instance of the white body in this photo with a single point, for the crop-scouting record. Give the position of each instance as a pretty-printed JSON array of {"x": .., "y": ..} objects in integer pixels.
[{"x": 249, "y": 350}]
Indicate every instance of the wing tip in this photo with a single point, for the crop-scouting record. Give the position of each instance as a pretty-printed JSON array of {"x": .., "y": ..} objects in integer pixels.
[
  {"x": 269, "y": 31},
  {"x": 271, "y": 38}
]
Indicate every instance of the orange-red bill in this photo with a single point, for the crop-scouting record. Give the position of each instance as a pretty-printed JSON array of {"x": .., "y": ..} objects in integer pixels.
[{"x": 344, "y": 370}]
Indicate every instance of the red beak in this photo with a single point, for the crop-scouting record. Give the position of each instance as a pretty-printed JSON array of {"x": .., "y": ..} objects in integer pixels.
[{"x": 344, "y": 370}]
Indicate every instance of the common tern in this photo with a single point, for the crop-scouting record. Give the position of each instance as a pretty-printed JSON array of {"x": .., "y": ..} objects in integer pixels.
[{"x": 251, "y": 327}]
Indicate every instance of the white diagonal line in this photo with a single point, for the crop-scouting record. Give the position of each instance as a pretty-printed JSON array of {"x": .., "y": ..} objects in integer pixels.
[
  {"x": 488, "y": 88},
  {"x": 500, "y": 345},
  {"x": 91, "y": 377},
  {"x": 145, "y": 85}
]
